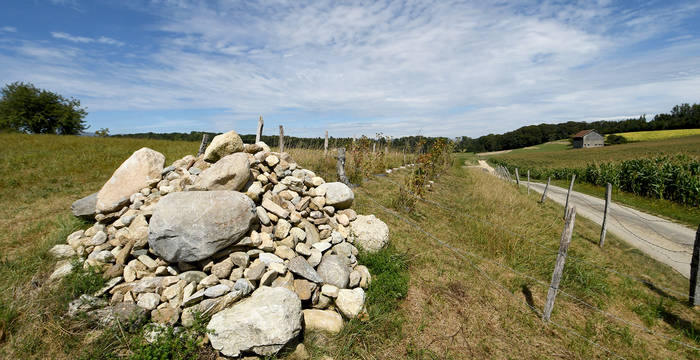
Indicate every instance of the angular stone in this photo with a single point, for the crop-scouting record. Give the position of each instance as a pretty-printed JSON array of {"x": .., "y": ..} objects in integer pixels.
[
  {"x": 277, "y": 321},
  {"x": 267, "y": 258},
  {"x": 85, "y": 207},
  {"x": 322, "y": 320},
  {"x": 166, "y": 315},
  {"x": 192, "y": 226},
  {"x": 262, "y": 215},
  {"x": 222, "y": 270},
  {"x": 282, "y": 229},
  {"x": 275, "y": 209},
  {"x": 240, "y": 259},
  {"x": 148, "y": 301},
  {"x": 334, "y": 270},
  {"x": 216, "y": 291},
  {"x": 230, "y": 173},
  {"x": 304, "y": 288},
  {"x": 299, "y": 266},
  {"x": 137, "y": 172},
  {"x": 62, "y": 251},
  {"x": 223, "y": 145},
  {"x": 350, "y": 302}
]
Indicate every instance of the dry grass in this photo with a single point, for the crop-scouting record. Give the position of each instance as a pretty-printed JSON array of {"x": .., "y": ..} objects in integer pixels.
[{"x": 452, "y": 311}]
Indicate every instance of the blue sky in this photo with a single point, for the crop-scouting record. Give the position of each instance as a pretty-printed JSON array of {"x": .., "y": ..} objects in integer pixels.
[{"x": 436, "y": 68}]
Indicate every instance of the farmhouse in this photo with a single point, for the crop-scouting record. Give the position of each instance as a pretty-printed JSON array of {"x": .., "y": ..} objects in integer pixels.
[{"x": 588, "y": 138}]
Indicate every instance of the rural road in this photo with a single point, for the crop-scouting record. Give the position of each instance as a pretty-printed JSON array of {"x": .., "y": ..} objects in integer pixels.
[{"x": 663, "y": 240}]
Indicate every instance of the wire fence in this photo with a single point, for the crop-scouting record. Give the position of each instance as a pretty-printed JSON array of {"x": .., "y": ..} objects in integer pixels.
[{"x": 527, "y": 276}]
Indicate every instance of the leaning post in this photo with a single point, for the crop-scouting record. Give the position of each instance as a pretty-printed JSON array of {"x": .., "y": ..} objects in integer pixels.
[
  {"x": 258, "y": 134},
  {"x": 341, "y": 167},
  {"x": 544, "y": 193},
  {"x": 281, "y": 138},
  {"x": 694, "y": 297},
  {"x": 604, "y": 228},
  {"x": 559, "y": 264},
  {"x": 571, "y": 186},
  {"x": 203, "y": 145},
  {"x": 517, "y": 178}
]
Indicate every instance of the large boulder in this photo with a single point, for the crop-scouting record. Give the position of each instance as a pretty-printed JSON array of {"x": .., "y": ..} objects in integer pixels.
[
  {"x": 369, "y": 232},
  {"x": 134, "y": 174},
  {"x": 85, "y": 207},
  {"x": 334, "y": 270},
  {"x": 261, "y": 324},
  {"x": 192, "y": 226},
  {"x": 222, "y": 145},
  {"x": 338, "y": 195},
  {"x": 232, "y": 172}
]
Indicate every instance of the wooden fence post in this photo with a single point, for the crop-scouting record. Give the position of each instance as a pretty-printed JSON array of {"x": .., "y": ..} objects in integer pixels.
[
  {"x": 341, "y": 167},
  {"x": 559, "y": 264},
  {"x": 281, "y": 138},
  {"x": 258, "y": 134},
  {"x": 203, "y": 145},
  {"x": 517, "y": 178},
  {"x": 544, "y": 193},
  {"x": 604, "y": 228},
  {"x": 694, "y": 297},
  {"x": 374, "y": 147},
  {"x": 571, "y": 186},
  {"x": 325, "y": 145},
  {"x": 528, "y": 182}
]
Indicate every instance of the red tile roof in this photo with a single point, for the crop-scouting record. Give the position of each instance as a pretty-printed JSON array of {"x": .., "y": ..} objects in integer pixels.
[{"x": 581, "y": 133}]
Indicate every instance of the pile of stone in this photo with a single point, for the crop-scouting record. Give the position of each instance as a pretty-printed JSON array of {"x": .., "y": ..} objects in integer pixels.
[{"x": 240, "y": 235}]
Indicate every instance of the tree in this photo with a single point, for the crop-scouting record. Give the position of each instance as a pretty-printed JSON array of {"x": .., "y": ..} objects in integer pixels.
[
  {"x": 104, "y": 132},
  {"x": 25, "y": 108}
]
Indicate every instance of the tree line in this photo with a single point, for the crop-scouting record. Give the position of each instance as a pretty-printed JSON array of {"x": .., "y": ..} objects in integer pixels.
[{"x": 683, "y": 116}]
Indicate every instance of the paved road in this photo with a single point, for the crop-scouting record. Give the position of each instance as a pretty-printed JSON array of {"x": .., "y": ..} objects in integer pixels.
[{"x": 663, "y": 240}]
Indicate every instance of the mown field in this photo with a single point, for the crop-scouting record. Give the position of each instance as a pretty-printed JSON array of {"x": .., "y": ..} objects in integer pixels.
[
  {"x": 569, "y": 157},
  {"x": 659, "y": 134},
  {"x": 452, "y": 307}
]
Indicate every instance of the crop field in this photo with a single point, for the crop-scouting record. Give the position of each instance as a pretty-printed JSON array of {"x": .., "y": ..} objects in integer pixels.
[
  {"x": 569, "y": 157},
  {"x": 659, "y": 134},
  {"x": 425, "y": 302}
]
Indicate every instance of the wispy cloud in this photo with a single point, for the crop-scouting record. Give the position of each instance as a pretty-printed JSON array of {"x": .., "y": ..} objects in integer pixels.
[
  {"x": 8, "y": 29},
  {"x": 398, "y": 67},
  {"x": 86, "y": 40}
]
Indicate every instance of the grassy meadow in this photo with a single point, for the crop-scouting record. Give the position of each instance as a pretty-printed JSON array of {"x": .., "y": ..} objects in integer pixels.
[
  {"x": 569, "y": 157},
  {"x": 424, "y": 302},
  {"x": 659, "y": 134}
]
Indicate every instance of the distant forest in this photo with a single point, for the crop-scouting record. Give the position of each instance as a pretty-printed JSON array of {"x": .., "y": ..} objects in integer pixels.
[{"x": 683, "y": 116}]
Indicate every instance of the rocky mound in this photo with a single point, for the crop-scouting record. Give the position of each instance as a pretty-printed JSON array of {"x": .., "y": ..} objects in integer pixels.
[{"x": 241, "y": 235}]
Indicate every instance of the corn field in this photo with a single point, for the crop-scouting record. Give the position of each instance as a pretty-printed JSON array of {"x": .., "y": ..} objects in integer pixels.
[{"x": 675, "y": 178}]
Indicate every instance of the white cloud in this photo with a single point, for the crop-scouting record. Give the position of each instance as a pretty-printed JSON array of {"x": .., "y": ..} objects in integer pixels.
[
  {"x": 441, "y": 68},
  {"x": 8, "y": 29},
  {"x": 86, "y": 40}
]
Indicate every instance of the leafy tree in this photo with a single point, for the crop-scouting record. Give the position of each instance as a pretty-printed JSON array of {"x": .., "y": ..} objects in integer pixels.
[
  {"x": 25, "y": 108},
  {"x": 104, "y": 132}
]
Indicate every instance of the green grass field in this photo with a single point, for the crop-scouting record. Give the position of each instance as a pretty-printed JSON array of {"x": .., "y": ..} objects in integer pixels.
[
  {"x": 447, "y": 310},
  {"x": 569, "y": 157},
  {"x": 659, "y": 134}
]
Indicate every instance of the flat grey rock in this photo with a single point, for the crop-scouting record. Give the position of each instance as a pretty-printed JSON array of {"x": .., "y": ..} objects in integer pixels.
[{"x": 194, "y": 225}]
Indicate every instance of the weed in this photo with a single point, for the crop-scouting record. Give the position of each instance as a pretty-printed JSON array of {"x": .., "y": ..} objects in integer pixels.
[{"x": 82, "y": 280}]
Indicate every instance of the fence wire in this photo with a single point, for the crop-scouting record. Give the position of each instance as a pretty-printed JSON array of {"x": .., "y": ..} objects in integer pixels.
[{"x": 563, "y": 292}]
